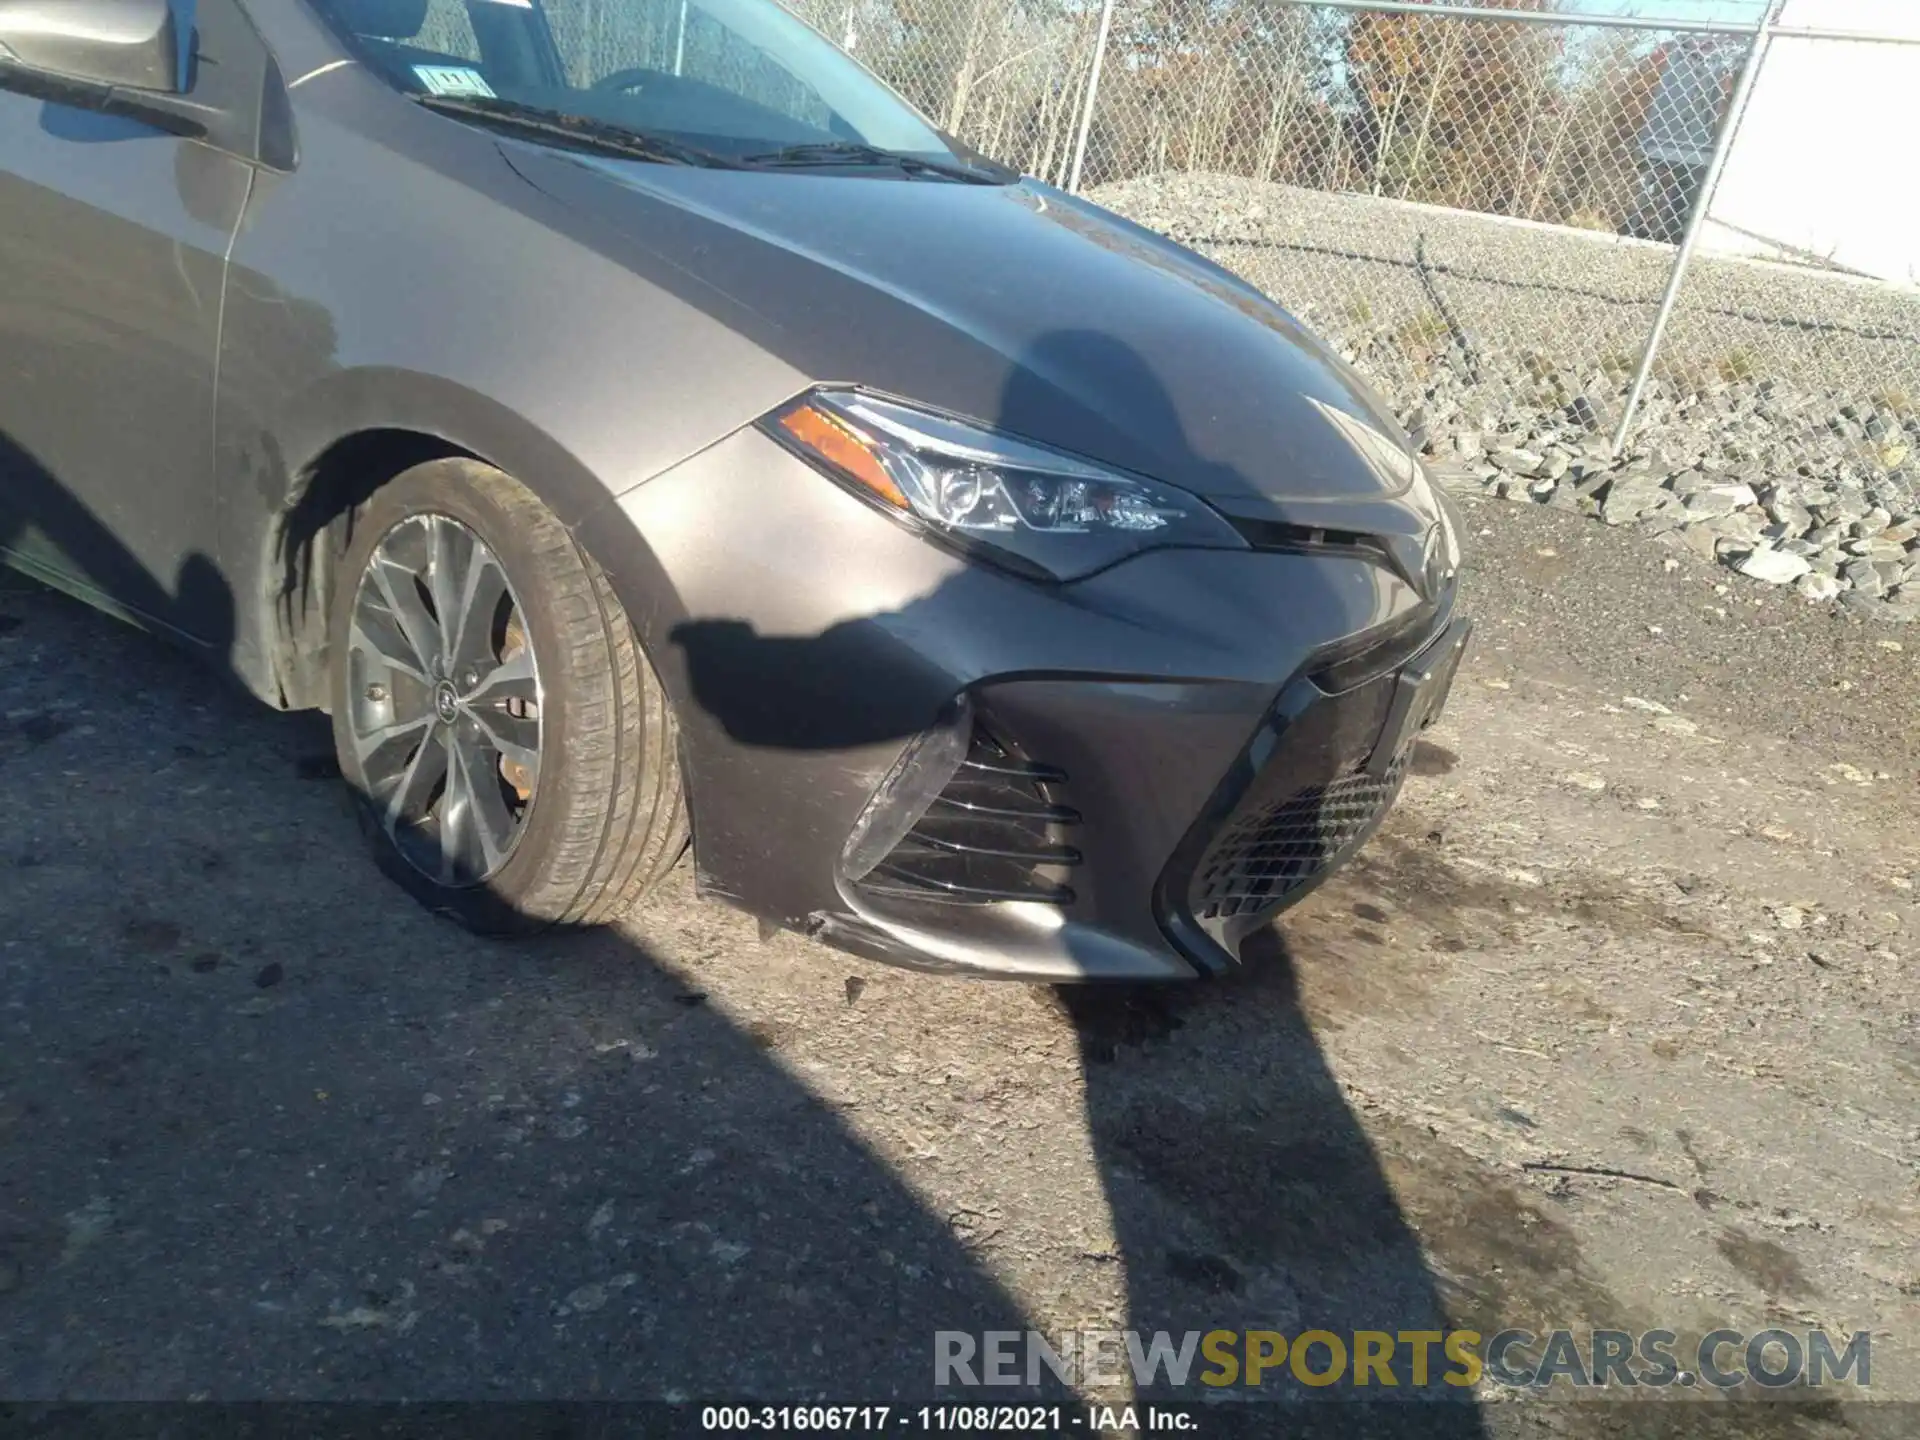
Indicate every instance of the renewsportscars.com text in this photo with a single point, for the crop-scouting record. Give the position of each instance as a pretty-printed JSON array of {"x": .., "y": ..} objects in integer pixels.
[{"x": 1381, "y": 1359}]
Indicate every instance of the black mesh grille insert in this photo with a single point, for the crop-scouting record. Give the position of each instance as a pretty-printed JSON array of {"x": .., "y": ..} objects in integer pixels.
[
  {"x": 997, "y": 832},
  {"x": 1263, "y": 856}
]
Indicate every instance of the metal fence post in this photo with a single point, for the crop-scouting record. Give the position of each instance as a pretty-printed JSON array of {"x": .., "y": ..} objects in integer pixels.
[
  {"x": 1697, "y": 220},
  {"x": 1093, "y": 90}
]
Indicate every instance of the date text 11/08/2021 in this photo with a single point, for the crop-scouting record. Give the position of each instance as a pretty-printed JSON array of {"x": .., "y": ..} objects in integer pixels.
[{"x": 934, "y": 1419}]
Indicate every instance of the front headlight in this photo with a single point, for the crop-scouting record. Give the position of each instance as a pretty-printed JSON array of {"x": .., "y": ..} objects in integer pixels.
[{"x": 1025, "y": 506}]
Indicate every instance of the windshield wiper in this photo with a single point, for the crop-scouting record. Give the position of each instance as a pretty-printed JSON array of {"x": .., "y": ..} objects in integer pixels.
[
  {"x": 848, "y": 152},
  {"x": 578, "y": 130}
]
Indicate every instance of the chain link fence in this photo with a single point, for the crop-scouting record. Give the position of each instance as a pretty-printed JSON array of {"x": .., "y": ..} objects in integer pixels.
[
  {"x": 1453, "y": 199},
  {"x": 1490, "y": 208},
  {"x": 1495, "y": 209},
  {"x": 1008, "y": 77}
]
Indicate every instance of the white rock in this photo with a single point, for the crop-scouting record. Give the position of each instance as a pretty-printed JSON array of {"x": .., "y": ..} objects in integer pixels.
[
  {"x": 585, "y": 1300},
  {"x": 1517, "y": 461},
  {"x": 1819, "y": 587},
  {"x": 1719, "y": 501},
  {"x": 1776, "y": 567}
]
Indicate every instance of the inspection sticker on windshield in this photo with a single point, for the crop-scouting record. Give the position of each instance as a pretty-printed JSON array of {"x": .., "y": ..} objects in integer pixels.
[{"x": 452, "y": 80}]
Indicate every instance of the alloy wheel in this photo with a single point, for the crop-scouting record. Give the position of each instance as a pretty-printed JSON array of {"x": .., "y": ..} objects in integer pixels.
[{"x": 444, "y": 694}]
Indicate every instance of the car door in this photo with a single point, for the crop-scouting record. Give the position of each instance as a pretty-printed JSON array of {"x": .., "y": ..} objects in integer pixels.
[{"x": 114, "y": 236}]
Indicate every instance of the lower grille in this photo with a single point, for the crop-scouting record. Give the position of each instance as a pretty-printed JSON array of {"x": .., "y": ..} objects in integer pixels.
[
  {"x": 1266, "y": 855},
  {"x": 997, "y": 832}
]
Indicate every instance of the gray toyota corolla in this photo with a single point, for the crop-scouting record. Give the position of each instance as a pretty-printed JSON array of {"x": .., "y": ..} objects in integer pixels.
[{"x": 637, "y": 426}]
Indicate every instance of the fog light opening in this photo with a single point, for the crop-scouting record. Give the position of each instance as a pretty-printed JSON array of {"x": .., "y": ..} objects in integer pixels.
[{"x": 910, "y": 788}]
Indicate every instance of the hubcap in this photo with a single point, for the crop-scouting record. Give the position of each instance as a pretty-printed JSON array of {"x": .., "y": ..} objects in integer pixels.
[{"x": 445, "y": 699}]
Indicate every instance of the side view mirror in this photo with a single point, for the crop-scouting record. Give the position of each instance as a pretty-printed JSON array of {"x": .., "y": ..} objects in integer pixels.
[{"x": 140, "y": 44}]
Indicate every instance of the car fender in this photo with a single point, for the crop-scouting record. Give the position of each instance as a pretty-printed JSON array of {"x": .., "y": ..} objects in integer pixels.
[{"x": 273, "y": 513}]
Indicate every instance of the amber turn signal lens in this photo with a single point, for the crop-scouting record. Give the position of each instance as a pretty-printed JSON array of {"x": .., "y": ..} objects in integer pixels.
[{"x": 844, "y": 448}]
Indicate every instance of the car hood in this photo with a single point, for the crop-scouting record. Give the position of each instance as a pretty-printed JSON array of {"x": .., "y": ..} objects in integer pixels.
[{"x": 1017, "y": 305}]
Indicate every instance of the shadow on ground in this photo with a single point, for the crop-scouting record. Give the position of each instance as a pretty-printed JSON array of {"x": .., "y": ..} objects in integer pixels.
[
  {"x": 1259, "y": 1207},
  {"x": 269, "y": 1129}
]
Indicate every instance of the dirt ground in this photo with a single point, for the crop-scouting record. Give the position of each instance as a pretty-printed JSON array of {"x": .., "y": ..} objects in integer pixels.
[{"x": 1616, "y": 1023}]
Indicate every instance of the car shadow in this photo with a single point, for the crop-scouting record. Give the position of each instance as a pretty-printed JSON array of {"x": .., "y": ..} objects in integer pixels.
[{"x": 1259, "y": 1205}]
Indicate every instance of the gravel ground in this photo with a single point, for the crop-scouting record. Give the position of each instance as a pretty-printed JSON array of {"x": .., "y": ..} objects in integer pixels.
[{"x": 1616, "y": 1022}]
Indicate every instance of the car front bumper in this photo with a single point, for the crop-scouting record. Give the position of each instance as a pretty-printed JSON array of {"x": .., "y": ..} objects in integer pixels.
[{"x": 927, "y": 761}]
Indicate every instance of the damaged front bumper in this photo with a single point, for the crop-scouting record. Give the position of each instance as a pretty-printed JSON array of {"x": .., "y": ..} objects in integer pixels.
[{"x": 933, "y": 763}]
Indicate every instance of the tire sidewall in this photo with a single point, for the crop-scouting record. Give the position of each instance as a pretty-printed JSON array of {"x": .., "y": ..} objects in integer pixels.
[{"x": 473, "y": 494}]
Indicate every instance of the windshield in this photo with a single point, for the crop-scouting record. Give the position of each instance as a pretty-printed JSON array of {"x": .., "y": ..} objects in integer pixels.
[{"x": 734, "y": 78}]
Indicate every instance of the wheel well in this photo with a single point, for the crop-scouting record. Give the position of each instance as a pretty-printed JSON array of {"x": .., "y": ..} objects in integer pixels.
[{"x": 315, "y": 531}]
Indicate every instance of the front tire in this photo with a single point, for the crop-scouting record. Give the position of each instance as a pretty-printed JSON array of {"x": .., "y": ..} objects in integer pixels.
[{"x": 514, "y": 757}]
